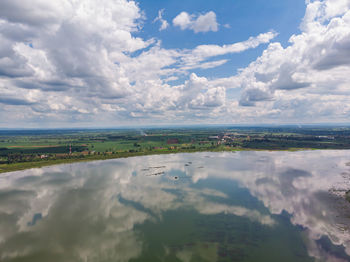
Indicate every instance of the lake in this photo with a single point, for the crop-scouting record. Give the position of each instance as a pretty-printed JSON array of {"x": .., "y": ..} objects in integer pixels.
[{"x": 239, "y": 206}]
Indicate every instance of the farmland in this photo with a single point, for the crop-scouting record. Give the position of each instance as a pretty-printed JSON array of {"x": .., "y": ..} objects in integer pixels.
[{"x": 21, "y": 149}]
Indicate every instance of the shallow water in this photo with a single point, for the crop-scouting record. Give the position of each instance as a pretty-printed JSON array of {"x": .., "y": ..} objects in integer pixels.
[{"x": 243, "y": 206}]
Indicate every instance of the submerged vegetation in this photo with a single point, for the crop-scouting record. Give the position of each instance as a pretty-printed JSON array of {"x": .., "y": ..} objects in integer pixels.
[{"x": 22, "y": 149}]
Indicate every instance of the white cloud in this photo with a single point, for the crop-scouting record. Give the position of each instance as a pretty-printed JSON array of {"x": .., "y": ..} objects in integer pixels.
[
  {"x": 197, "y": 93},
  {"x": 183, "y": 20},
  {"x": 201, "y": 23},
  {"x": 45, "y": 12},
  {"x": 163, "y": 23},
  {"x": 298, "y": 80},
  {"x": 203, "y": 52},
  {"x": 67, "y": 46},
  {"x": 77, "y": 60}
]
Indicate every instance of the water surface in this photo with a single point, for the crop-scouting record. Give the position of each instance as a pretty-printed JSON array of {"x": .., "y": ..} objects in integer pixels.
[{"x": 243, "y": 206}]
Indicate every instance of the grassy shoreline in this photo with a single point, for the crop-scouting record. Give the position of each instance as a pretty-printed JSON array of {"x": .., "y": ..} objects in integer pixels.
[{"x": 5, "y": 168}]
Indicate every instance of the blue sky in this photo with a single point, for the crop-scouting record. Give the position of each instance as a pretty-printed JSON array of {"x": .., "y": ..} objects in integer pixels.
[
  {"x": 245, "y": 19},
  {"x": 113, "y": 63}
]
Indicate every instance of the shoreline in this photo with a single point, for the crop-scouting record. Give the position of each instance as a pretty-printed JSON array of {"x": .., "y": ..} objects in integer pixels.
[{"x": 6, "y": 168}]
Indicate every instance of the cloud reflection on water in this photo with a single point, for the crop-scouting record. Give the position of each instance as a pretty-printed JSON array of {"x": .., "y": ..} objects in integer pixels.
[{"x": 86, "y": 213}]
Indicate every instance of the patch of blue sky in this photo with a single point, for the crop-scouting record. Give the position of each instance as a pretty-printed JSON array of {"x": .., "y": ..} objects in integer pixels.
[
  {"x": 246, "y": 18},
  {"x": 234, "y": 62}
]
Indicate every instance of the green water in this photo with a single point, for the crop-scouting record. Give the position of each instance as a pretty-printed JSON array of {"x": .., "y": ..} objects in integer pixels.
[{"x": 246, "y": 206}]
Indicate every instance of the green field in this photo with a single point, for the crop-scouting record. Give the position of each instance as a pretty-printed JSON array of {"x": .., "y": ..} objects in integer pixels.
[{"x": 21, "y": 149}]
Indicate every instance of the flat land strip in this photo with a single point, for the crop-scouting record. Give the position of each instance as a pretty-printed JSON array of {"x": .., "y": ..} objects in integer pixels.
[{"x": 22, "y": 149}]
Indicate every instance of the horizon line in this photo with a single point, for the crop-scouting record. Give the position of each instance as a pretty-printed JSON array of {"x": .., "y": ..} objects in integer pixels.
[{"x": 299, "y": 125}]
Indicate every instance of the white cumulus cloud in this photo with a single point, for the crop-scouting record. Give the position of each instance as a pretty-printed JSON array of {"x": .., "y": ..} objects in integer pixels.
[
  {"x": 71, "y": 61},
  {"x": 201, "y": 23},
  {"x": 163, "y": 23}
]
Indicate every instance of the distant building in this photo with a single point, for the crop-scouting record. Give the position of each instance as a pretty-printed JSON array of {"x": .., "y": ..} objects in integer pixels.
[
  {"x": 213, "y": 137},
  {"x": 173, "y": 141}
]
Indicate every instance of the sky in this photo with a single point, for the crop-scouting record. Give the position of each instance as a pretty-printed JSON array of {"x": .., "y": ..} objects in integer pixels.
[{"x": 114, "y": 63}]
